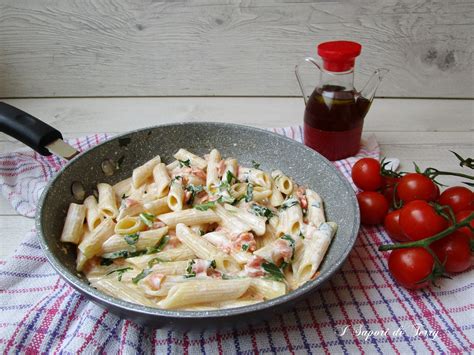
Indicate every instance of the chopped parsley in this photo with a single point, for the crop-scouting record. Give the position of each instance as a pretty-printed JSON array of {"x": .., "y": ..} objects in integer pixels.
[
  {"x": 184, "y": 163},
  {"x": 124, "y": 196},
  {"x": 155, "y": 261},
  {"x": 245, "y": 247},
  {"x": 132, "y": 239},
  {"x": 262, "y": 211},
  {"x": 194, "y": 189},
  {"x": 255, "y": 164},
  {"x": 189, "y": 270},
  {"x": 141, "y": 275},
  {"x": 205, "y": 206},
  {"x": 274, "y": 273},
  {"x": 288, "y": 203},
  {"x": 291, "y": 243},
  {"x": 229, "y": 177},
  {"x": 159, "y": 246},
  {"x": 249, "y": 195},
  {"x": 147, "y": 218},
  {"x": 120, "y": 272},
  {"x": 302, "y": 235}
]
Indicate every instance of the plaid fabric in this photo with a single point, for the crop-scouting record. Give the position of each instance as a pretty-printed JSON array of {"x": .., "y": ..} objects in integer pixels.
[{"x": 361, "y": 309}]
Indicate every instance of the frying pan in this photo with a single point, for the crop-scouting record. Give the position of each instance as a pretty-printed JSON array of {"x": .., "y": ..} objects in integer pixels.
[{"x": 129, "y": 150}]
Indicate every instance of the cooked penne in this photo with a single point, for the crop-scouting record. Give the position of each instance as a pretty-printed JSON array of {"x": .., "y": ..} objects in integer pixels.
[
  {"x": 107, "y": 204},
  {"x": 201, "y": 233},
  {"x": 315, "y": 208},
  {"x": 282, "y": 182},
  {"x": 91, "y": 244},
  {"x": 176, "y": 196},
  {"x": 74, "y": 224},
  {"x": 157, "y": 207},
  {"x": 212, "y": 290},
  {"x": 122, "y": 189},
  {"x": 212, "y": 176},
  {"x": 205, "y": 250},
  {"x": 315, "y": 246},
  {"x": 162, "y": 180},
  {"x": 129, "y": 225},
  {"x": 189, "y": 217},
  {"x": 194, "y": 160},
  {"x": 140, "y": 241},
  {"x": 141, "y": 174},
  {"x": 93, "y": 216}
]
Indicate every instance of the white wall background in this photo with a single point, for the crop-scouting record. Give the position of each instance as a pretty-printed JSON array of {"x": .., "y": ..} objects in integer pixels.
[{"x": 62, "y": 48}]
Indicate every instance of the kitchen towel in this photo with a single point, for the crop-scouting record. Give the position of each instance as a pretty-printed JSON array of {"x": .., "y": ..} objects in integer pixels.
[{"x": 361, "y": 309}]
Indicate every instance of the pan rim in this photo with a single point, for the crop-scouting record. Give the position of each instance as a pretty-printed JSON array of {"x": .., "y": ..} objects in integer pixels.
[{"x": 104, "y": 299}]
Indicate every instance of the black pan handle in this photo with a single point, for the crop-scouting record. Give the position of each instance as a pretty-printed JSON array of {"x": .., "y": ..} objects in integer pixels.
[{"x": 27, "y": 128}]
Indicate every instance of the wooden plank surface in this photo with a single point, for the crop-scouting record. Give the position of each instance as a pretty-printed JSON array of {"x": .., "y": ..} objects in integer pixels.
[
  {"x": 227, "y": 47},
  {"x": 411, "y": 130}
]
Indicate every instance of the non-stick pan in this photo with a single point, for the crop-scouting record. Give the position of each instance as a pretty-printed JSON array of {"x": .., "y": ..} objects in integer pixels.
[{"x": 129, "y": 150}]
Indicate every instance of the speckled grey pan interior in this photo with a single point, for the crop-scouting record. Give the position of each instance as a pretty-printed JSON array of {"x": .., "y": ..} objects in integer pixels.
[{"x": 244, "y": 143}]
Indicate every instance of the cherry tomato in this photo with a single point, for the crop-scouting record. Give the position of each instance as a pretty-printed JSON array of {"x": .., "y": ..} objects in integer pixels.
[
  {"x": 373, "y": 207},
  {"x": 459, "y": 198},
  {"x": 410, "y": 266},
  {"x": 415, "y": 186},
  {"x": 392, "y": 226},
  {"x": 388, "y": 189},
  {"x": 419, "y": 220},
  {"x": 454, "y": 251},
  {"x": 461, "y": 216},
  {"x": 366, "y": 174}
]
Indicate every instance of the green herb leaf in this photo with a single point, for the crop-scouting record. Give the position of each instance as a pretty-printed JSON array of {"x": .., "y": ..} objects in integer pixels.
[
  {"x": 132, "y": 239},
  {"x": 213, "y": 264},
  {"x": 189, "y": 269},
  {"x": 289, "y": 203},
  {"x": 123, "y": 254},
  {"x": 205, "y": 206},
  {"x": 141, "y": 275},
  {"x": 249, "y": 195},
  {"x": 120, "y": 272},
  {"x": 194, "y": 189},
  {"x": 262, "y": 211},
  {"x": 245, "y": 247},
  {"x": 291, "y": 243},
  {"x": 155, "y": 261},
  {"x": 302, "y": 235},
  {"x": 124, "y": 196},
  {"x": 229, "y": 176},
  {"x": 147, "y": 218},
  {"x": 255, "y": 164},
  {"x": 184, "y": 163},
  {"x": 159, "y": 246},
  {"x": 273, "y": 271}
]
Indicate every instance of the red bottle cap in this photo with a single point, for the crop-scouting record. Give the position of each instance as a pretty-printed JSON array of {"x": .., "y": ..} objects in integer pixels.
[{"x": 339, "y": 56}]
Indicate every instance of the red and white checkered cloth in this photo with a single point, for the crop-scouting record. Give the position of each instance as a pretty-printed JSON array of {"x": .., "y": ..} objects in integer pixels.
[{"x": 361, "y": 309}]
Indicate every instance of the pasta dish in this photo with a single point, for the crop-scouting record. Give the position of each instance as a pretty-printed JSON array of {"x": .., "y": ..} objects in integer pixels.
[{"x": 200, "y": 233}]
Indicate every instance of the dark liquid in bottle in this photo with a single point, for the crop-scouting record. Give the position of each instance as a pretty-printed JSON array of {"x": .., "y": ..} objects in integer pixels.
[{"x": 333, "y": 121}]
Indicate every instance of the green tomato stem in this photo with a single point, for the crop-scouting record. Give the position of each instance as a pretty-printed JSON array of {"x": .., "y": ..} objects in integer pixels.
[{"x": 426, "y": 242}]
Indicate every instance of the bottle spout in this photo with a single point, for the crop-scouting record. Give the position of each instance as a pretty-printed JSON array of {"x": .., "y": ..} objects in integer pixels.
[{"x": 370, "y": 88}]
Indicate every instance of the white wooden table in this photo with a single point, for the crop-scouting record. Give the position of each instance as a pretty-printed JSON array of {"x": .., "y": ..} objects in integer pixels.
[{"x": 421, "y": 130}]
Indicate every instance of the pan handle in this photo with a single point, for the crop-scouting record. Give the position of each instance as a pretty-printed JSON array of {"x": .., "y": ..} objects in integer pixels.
[{"x": 33, "y": 132}]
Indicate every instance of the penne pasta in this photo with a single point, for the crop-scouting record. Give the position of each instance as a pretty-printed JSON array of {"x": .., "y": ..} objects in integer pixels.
[
  {"x": 141, "y": 174},
  {"x": 74, "y": 224},
  {"x": 107, "y": 204},
  {"x": 184, "y": 294},
  {"x": 201, "y": 233},
  {"x": 194, "y": 160},
  {"x": 93, "y": 216}
]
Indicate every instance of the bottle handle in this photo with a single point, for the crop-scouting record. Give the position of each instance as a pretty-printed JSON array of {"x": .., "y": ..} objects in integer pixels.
[{"x": 300, "y": 81}]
